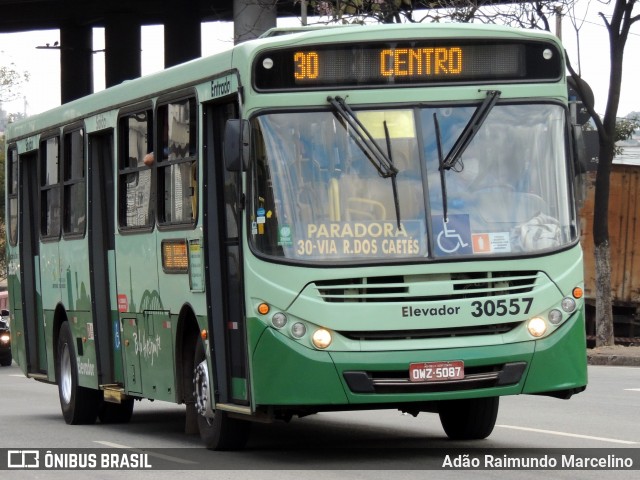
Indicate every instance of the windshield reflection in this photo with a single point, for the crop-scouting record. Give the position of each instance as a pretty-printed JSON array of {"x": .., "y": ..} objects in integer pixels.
[{"x": 315, "y": 196}]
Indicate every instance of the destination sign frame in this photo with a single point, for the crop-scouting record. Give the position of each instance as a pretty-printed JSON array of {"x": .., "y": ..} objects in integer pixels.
[{"x": 407, "y": 63}]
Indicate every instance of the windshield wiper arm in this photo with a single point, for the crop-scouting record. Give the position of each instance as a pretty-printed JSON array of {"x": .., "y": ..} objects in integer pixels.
[
  {"x": 470, "y": 130},
  {"x": 394, "y": 183},
  {"x": 364, "y": 139},
  {"x": 443, "y": 181}
]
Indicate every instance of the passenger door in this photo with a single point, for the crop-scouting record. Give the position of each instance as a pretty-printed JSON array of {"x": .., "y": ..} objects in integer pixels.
[{"x": 223, "y": 258}]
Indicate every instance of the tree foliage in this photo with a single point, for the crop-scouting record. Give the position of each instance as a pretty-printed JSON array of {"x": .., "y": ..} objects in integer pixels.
[
  {"x": 11, "y": 81},
  {"x": 536, "y": 14},
  {"x": 625, "y": 128}
]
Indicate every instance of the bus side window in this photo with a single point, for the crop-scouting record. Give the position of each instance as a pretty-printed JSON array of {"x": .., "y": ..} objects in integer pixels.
[
  {"x": 12, "y": 195},
  {"x": 75, "y": 205},
  {"x": 50, "y": 187},
  {"x": 177, "y": 162},
  {"x": 134, "y": 190}
]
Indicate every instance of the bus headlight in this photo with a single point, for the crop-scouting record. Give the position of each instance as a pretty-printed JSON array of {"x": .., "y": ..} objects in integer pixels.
[
  {"x": 298, "y": 330},
  {"x": 568, "y": 304},
  {"x": 5, "y": 338},
  {"x": 279, "y": 320},
  {"x": 537, "y": 327},
  {"x": 555, "y": 316},
  {"x": 321, "y": 338}
]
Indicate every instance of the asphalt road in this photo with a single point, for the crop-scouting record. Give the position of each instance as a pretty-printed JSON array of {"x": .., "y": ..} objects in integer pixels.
[{"x": 353, "y": 445}]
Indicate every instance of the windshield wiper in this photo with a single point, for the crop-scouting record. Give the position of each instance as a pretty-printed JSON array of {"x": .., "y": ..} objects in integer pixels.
[
  {"x": 382, "y": 162},
  {"x": 470, "y": 130},
  {"x": 462, "y": 142},
  {"x": 364, "y": 139},
  {"x": 394, "y": 183},
  {"x": 443, "y": 182}
]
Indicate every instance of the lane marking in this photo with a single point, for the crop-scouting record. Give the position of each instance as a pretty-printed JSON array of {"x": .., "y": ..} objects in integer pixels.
[
  {"x": 632, "y": 389},
  {"x": 565, "y": 434},
  {"x": 151, "y": 454}
]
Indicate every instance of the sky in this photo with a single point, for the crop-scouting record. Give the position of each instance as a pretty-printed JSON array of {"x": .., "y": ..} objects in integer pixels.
[{"x": 43, "y": 90}]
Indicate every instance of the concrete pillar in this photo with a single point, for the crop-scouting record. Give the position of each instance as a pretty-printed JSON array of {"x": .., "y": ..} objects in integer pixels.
[
  {"x": 182, "y": 32},
  {"x": 76, "y": 62},
  {"x": 251, "y": 18},
  {"x": 122, "y": 40}
]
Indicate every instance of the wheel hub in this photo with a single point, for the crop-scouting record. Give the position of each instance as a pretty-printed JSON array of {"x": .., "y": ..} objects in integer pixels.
[{"x": 201, "y": 389}]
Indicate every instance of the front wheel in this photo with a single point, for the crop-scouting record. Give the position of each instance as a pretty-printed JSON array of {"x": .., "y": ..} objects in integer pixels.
[
  {"x": 469, "y": 419},
  {"x": 217, "y": 430},
  {"x": 79, "y": 404}
]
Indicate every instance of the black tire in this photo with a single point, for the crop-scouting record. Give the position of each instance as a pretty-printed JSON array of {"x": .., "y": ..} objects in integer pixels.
[
  {"x": 79, "y": 404},
  {"x": 220, "y": 432},
  {"x": 469, "y": 419},
  {"x": 6, "y": 361},
  {"x": 116, "y": 412}
]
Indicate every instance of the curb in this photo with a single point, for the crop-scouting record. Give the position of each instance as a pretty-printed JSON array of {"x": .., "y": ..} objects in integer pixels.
[{"x": 614, "y": 360}]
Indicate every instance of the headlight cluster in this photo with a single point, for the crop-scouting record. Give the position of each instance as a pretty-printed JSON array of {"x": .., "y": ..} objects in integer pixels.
[
  {"x": 320, "y": 337},
  {"x": 538, "y": 326},
  {"x": 5, "y": 338}
]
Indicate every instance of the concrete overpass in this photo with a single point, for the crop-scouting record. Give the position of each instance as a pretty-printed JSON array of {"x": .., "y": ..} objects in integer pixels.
[{"x": 122, "y": 20}]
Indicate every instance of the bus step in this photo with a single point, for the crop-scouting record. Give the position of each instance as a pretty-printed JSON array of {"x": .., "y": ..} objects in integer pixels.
[
  {"x": 227, "y": 407},
  {"x": 113, "y": 393}
]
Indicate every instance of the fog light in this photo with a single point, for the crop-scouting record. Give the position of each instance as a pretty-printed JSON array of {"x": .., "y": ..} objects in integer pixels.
[
  {"x": 321, "y": 338},
  {"x": 537, "y": 327},
  {"x": 279, "y": 320},
  {"x": 568, "y": 304},
  {"x": 298, "y": 330},
  {"x": 555, "y": 316}
]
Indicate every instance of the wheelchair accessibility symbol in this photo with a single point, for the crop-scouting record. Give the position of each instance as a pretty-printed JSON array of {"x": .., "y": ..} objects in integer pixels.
[{"x": 452, "y": 236}]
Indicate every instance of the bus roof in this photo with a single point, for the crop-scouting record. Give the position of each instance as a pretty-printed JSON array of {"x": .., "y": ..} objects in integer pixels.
[{"x": 199, "y": 70}]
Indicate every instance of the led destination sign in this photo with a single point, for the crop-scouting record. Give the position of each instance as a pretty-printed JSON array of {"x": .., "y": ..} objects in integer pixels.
[{"x": 405, "y": 63}]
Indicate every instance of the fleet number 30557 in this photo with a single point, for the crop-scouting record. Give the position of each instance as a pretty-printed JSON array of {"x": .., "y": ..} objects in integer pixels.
[{"x": 500, "y": 308}]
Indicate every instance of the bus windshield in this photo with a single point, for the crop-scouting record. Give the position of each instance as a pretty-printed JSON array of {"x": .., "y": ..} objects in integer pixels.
[{"x": 315, "y": 196}]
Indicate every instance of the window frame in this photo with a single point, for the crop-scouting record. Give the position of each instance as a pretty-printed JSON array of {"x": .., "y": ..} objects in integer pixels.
[
  {"x": 13, "y": 187},
  {"x": 162, "y": 163},
  {"x": 124, "y": 170},
  {"x": 45, "y": 188},
  {"x": 68, "y": 181}
]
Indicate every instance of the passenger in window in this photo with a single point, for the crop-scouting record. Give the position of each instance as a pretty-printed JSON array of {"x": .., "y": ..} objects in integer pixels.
[{"x": 148, "y": 159}]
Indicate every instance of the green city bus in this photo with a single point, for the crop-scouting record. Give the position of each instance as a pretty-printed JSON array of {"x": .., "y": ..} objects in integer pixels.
[{"x": 329, "y": 219}]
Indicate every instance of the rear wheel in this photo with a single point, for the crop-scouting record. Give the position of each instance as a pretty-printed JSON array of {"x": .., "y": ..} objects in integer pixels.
[
  {"x": 79, "y": 404},
  {"x": 469, "y": 419},
  {"x": 217, "y": 430}
]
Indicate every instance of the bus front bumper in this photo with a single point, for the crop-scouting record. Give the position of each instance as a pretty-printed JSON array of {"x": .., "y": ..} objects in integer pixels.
[{"x": 288, "y": 373}]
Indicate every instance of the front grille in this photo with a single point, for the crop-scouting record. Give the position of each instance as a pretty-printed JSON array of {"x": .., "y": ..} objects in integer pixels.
[
  {"x": 495, "y": 329},
  {"x": 427, "y": 288}
]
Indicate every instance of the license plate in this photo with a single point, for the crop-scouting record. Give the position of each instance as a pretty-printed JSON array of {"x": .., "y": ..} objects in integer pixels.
[{"x": 436, "y": 371}]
